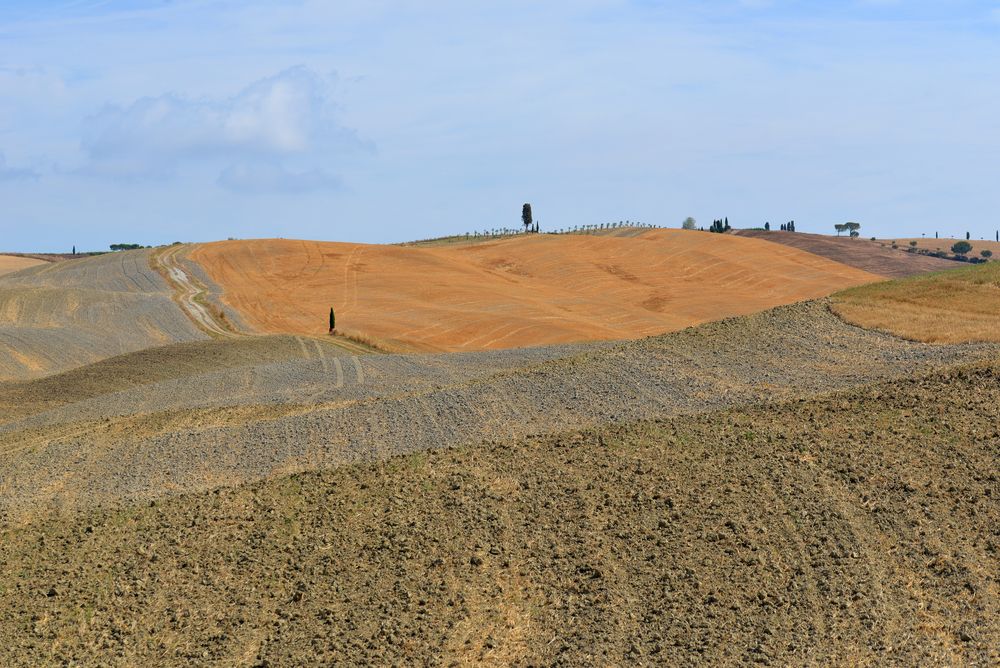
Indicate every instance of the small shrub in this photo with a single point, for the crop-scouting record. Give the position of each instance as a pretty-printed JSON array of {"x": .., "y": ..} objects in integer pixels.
[{"x": 961, "y": 247}]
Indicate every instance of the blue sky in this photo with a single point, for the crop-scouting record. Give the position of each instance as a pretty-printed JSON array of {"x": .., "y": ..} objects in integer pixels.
[{"x": 155, "y": 121}]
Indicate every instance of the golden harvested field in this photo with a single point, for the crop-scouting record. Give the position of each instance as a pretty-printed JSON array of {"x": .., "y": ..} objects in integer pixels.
[
  {"x": 11, "y": 263},
  {"x": 946, "y": 244},
  {"x": 515, "y": 292},
  {"x": 957, "y": 306}
]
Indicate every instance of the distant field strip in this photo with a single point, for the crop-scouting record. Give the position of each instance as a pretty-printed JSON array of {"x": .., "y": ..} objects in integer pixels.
[
  {"x": 862, "y": 253},
  {"x": 515, "y": 292},
  {"x": 11, "y": 263},
  {"x": 945, "y": 245}
]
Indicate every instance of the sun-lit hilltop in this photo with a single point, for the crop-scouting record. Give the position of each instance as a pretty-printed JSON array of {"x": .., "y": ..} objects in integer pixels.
[{"x": 522, "y": 291}]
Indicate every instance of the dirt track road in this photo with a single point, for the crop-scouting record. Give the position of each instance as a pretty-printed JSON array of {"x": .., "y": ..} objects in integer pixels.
[{"x": 187, "y": 291}]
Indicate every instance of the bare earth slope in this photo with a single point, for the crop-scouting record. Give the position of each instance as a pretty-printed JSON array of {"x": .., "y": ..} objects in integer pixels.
[
  {"x": 528, "y": 290},
  {"x": 63, "y": 315},
  {"x": 184, "y": 428},
  {"x": 863, "y": 254},
  {"x": 855, "y": 529},
  {"x": 12, "y": 263}
]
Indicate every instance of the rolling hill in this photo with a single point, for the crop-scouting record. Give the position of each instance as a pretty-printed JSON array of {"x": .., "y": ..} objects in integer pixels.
[
  {"x": 523, "y": 291},
  {"x": 61, "y": 315},
  {"x": 780, "y": 487},
  {"x": 195, "y": 416}
]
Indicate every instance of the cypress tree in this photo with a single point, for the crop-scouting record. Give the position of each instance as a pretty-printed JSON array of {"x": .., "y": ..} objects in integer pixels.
[{"x": 333, "y": 320}]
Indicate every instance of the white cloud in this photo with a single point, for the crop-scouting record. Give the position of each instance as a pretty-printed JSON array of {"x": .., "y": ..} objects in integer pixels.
[
  {"x": 288, "y": 114},
  {"x": 263, "y": 176},
  {"x": 15, "y": 173}
]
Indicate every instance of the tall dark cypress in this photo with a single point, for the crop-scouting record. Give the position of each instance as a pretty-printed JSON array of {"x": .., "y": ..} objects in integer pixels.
[{"x": 333, "y": 320}]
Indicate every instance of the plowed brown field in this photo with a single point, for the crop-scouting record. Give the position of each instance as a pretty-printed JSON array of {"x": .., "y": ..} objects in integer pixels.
[
  {"x": 525, "y": 291},
  {"x": 11, "y": 263},
  {"x": 863, "y": 254}
]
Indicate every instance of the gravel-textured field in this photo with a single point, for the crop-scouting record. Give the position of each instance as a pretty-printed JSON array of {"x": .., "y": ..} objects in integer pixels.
[
  {"x": 188, "y": 427},
  {"x": 857, "y": 529},
  {"x": 63, "y": 315}
]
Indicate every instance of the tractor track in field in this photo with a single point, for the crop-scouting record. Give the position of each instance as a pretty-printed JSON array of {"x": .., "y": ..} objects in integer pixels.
[
  {"x": 856, "y": 528},
  {"x": 192, "y": 295},
  {"x": 188, "y": 292},
  {"x": 200, "y": 425}
]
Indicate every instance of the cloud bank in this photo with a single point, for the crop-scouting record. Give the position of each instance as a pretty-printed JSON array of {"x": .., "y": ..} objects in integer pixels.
[
  {"x": 269, "y": 177},
  {"x": 286, "y": 116},
  {"x": 15, "y": 173}
]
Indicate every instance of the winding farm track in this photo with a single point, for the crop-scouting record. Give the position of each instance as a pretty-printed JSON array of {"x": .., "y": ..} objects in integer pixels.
[
  {"x": 192, "y": 294},
  {"x": 188, "y": 290}
]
